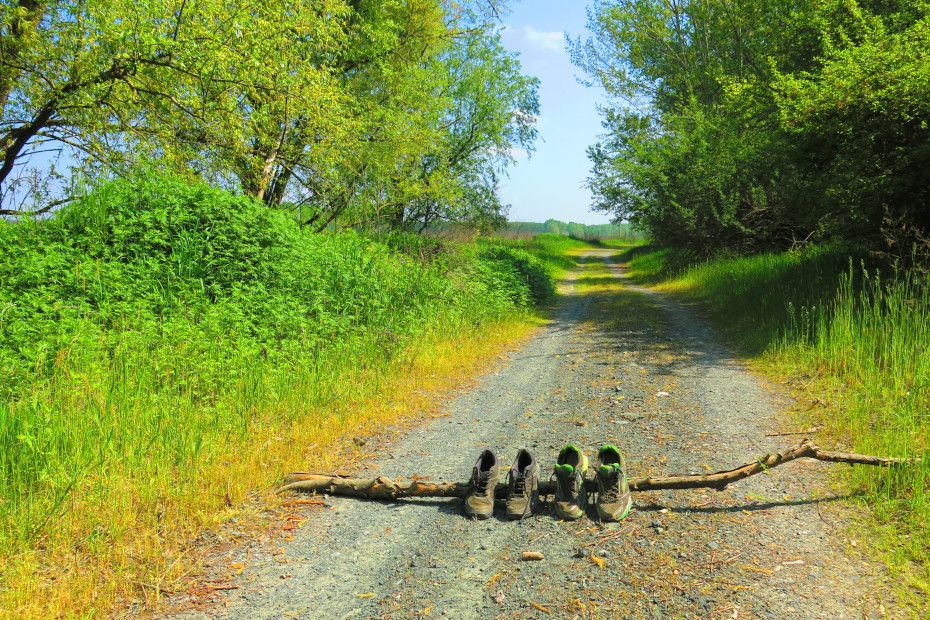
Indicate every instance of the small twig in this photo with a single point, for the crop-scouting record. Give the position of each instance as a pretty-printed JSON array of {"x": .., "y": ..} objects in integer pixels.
[
  {"x": 804, "y": 432},
  {"x": 826, "y": 522},
  {"x": 157, "y": 588},
  {"x": 723, "y": 561}
]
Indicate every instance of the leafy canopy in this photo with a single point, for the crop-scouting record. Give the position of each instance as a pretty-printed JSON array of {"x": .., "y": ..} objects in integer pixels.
[
  {"x": 348, "y": 111},
  {"x": 749, "y": 125}
]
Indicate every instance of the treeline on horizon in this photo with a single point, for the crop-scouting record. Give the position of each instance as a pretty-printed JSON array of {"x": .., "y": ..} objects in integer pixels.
[
  {"x": 570, "y": 229},
  {"x": 749, "y": 126}
]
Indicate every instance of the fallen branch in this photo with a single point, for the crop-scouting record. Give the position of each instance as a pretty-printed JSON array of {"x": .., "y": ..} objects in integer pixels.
[{"x": 387, "y": 489}]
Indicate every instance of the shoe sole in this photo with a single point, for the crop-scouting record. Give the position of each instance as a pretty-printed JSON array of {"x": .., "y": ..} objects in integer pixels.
[
  {"x": 571, "y": 517},
  {"x": 481, "y": 516}
]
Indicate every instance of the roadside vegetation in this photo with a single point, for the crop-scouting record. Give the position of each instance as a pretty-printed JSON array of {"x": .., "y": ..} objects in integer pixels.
[
  {"x": 775, "y": 154},
  {"x": 170, "y": 349},
  {"x": 852, "y": 342}
]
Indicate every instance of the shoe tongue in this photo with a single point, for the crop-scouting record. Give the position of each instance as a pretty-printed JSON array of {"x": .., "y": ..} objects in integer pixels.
[
  {"x": 608, "y": 470},
  {"x": 564, "y": 470}
]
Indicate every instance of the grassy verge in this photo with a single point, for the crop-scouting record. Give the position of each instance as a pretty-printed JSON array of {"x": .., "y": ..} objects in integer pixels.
[
  {"x": 854, "y": 346},
  {"x": 558, "y": 253},
  {"x": 169, "y": 351},
  {"x": 126, "y": 532}
]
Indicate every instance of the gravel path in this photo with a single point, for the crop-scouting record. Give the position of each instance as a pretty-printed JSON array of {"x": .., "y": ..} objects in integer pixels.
[{"x": 675, "y": 402}]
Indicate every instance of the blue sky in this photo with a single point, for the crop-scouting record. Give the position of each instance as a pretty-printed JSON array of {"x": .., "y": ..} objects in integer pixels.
[{"x": 549, "y": 183}]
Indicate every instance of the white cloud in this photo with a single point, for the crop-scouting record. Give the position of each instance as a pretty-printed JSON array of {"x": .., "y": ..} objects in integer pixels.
[{"x": 549, "y": 40}]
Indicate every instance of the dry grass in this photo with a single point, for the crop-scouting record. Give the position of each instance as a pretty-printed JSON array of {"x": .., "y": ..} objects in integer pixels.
[{"x": 117, "y": 546}]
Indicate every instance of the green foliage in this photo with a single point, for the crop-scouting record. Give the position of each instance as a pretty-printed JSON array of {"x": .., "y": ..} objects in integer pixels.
[
  {"x": 752, "y": 297},
  {"x": 754, "y": 126},
  {"x": 166, "y": 293},
  {"x": 549, "y": 249},
  {"x": 170, "y": 256},
  {"x": 517, "y": 273},
  {"x": 860, "y": 117}
]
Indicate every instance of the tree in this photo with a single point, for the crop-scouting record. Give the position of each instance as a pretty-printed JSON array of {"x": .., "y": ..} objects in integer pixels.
[
  {"x": 750, "y": 125},
  {"x": 349, "y": 111},
  {"x": 556, "y": 227},
  {"x": 491, "y": 112},
  {"x": 693, "y": 152},
  {"x": 382, "y": 68},
  {"x": 861, "y": 119},
  {"x": 111, "y": 79}
]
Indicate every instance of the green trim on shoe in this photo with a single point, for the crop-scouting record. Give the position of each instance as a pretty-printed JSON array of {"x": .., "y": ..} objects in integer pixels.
[{"x": 571, "y": 498}]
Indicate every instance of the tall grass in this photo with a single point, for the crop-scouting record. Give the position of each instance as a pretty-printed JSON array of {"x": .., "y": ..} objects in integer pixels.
[
  {"x": 754, "y": 297},
  {"x": 870, "y": 346},
  {"x": 860, "y": 340},
  {"x": 553, "y": 251},
  {"x": 169, "y": 349}
]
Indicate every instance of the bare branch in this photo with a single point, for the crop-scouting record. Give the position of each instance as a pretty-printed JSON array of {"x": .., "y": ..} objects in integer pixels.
[
  {"x": 385, "y": 488},
  {"x": 45, "y": 209}
]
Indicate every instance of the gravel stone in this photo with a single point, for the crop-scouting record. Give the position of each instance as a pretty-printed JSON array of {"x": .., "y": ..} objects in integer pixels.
[{"x": 716, "y": 415}]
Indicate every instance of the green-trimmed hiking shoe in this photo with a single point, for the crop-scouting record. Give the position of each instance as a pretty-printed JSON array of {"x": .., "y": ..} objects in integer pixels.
[
  {"x": 571, "y": 499},
  {"x": 479, "y": 502},
  {"x": 522, "y": 486},
  {"x": 613, "y": 492}
]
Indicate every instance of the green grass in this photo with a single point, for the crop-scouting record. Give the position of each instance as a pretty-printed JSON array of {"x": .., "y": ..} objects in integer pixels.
[
  {"x": 855, "y": 344},
  {"x": 167, "y": 350},
  {"x": 754, "y": 298},
  {"x": 553, "y": 251}
]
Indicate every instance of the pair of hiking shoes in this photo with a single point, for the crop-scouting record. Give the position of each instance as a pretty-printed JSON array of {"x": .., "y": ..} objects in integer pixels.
[{"x": 613, "y": 501}]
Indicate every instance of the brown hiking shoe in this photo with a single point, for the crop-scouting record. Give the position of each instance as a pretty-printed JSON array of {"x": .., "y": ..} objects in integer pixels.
[
  {"x": 479, "y": 502},
  {"x": 522, "y": 486},
  {"x": 613, "y": 491},
  {"x": 571, "y": 499}
]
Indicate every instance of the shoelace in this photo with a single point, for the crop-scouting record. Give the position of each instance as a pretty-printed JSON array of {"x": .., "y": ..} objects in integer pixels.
[
  {"x": 560, "y": 490},
  {"x": 519, "y": 484},
  {"x": 612, "y": 492},
  {"x": 481, "y": 483}
]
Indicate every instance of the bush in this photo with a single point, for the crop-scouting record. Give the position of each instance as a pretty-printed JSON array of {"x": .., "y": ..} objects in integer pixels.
[
  {"x": 516, "y": 272},
  {"x": 176, "y": 262}
]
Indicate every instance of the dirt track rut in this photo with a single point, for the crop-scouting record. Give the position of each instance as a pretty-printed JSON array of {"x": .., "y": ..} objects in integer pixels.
[{"x": 667, "y": 394}]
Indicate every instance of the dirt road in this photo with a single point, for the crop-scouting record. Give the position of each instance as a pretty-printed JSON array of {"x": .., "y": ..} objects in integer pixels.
[{"x": 626, "y": 367}]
